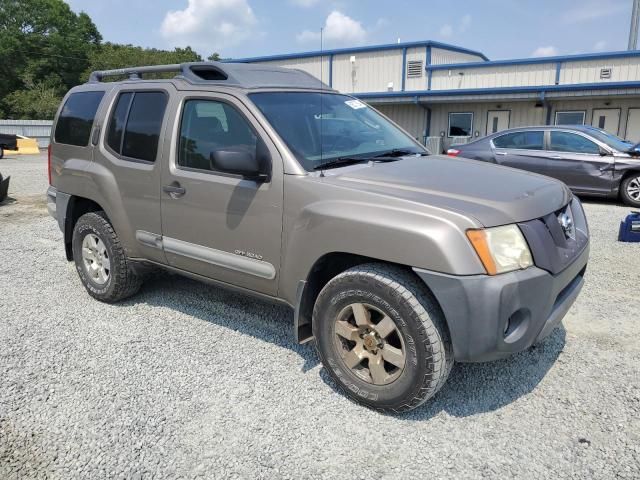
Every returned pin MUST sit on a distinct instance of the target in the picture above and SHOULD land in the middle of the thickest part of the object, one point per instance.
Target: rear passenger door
(578, 162)
(215, 223)
(523, 150)
(130, 151)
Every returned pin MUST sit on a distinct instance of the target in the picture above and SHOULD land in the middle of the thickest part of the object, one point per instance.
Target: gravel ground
(187, 381)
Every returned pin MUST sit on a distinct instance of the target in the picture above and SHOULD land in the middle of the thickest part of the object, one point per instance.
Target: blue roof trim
(488, 91)
(368, 48)
(538, 60)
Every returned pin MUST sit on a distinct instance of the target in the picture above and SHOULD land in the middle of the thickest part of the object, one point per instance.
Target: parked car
(263, 180)
(7, 142)
(589, 160)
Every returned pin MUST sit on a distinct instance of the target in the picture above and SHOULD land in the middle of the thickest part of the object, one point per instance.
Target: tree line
(46, 49)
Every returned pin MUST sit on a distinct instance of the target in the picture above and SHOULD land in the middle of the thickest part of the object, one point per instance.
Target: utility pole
(633, 31)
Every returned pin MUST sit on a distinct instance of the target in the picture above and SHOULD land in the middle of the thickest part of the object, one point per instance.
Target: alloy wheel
(370, 344)
(633, 189)
(95, 259)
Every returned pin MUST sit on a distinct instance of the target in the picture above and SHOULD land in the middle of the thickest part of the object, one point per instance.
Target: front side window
(136, 121)
(76, 118)
(208, 126)
(320, 127)
(570, 118)
(570, 142)
(521, 140)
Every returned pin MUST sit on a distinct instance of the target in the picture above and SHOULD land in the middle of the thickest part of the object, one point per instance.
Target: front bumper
(491, 317)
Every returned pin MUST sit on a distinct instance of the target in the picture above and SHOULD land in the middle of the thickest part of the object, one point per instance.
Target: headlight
(501, 249)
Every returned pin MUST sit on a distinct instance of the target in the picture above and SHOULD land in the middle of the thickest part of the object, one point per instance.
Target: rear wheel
(382, 337)
(100, 260)
(630, 190)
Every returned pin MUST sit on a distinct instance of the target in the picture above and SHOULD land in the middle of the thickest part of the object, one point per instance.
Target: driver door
(214, 223)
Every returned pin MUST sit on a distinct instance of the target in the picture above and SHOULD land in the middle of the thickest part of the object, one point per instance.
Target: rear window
(76, 118)
(520, 140)
(136, 121)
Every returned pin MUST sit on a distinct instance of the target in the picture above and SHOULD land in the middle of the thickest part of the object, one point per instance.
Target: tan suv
(264, 180)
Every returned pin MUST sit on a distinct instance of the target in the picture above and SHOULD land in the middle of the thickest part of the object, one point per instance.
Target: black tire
(631, 180)
(418, 319)
(1, 152)
(122, 281)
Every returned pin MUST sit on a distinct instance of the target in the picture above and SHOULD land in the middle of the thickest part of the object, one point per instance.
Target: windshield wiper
(399, 152)
(339, 161)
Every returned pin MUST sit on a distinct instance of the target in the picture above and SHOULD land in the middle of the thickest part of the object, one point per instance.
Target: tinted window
(570, 142)
(142, 130)
(569, 118)
(460, 124)
(76, 118)
(208, 126)
(520, 140)
(118, 118)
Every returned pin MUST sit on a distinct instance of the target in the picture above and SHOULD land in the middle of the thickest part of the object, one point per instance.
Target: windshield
(321, 127)
(610, 139)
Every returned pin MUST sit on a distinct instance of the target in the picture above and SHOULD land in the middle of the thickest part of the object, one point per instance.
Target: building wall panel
(417, 83)
(371, 71)
(494, 77)
(622, 70)
(310, 65)
(440, 56)
(410, 117)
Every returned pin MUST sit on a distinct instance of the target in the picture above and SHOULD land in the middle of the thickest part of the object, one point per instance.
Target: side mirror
(237, 162)
(604, 152)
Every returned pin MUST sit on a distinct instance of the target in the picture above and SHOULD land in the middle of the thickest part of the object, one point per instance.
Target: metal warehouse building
(443, 94)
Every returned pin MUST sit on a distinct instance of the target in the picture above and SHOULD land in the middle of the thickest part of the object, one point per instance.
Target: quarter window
(208, 126)
(134, 128)
(570, 118)
(570, 142)
(521, 140)
(76, 118)
(460, 124)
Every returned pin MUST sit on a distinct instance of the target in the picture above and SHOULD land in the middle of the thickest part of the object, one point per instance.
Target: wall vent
(414, 68)
(605, 73)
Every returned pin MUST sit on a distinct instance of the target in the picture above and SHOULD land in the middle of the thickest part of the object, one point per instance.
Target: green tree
(111, 55)
(44, 49)
(214, 57)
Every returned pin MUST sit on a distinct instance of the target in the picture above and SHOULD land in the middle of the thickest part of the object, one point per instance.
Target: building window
(460, 124)
(570, 118)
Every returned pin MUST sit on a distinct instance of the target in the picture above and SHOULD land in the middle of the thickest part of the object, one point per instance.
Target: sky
(244, 28)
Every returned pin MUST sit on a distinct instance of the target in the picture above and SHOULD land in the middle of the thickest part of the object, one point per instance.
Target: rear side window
(570, 142)
(520, 140)
(134, 128)
(76, 118)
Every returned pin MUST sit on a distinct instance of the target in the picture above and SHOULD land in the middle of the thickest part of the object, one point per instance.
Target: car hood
(492, 194)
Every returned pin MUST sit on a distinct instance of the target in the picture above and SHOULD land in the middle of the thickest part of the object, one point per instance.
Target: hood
(492, 194)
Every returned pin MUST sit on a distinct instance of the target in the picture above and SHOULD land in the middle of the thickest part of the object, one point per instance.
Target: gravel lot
(186, 381)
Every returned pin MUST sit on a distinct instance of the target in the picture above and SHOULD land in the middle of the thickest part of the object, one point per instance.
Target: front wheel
(630, 190)
(382, 337)
(101, 261)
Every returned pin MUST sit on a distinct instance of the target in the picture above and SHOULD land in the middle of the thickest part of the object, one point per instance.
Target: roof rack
(231, 74)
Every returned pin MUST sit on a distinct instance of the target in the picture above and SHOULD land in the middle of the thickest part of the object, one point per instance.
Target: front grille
(557, 239)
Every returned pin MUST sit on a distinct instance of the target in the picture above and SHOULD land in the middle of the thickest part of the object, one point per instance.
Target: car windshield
(610, 139)
(320, 128)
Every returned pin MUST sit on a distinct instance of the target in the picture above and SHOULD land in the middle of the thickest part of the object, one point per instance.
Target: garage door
(607, 119)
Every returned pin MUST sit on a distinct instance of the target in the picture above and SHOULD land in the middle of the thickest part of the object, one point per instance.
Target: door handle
(557, 157)
(175, 190)
(501, 153)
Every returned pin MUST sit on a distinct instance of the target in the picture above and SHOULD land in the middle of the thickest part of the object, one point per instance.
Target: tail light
(452, 152)
(49, 162)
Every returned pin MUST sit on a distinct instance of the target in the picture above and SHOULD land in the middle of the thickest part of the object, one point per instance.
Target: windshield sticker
(355, 104)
